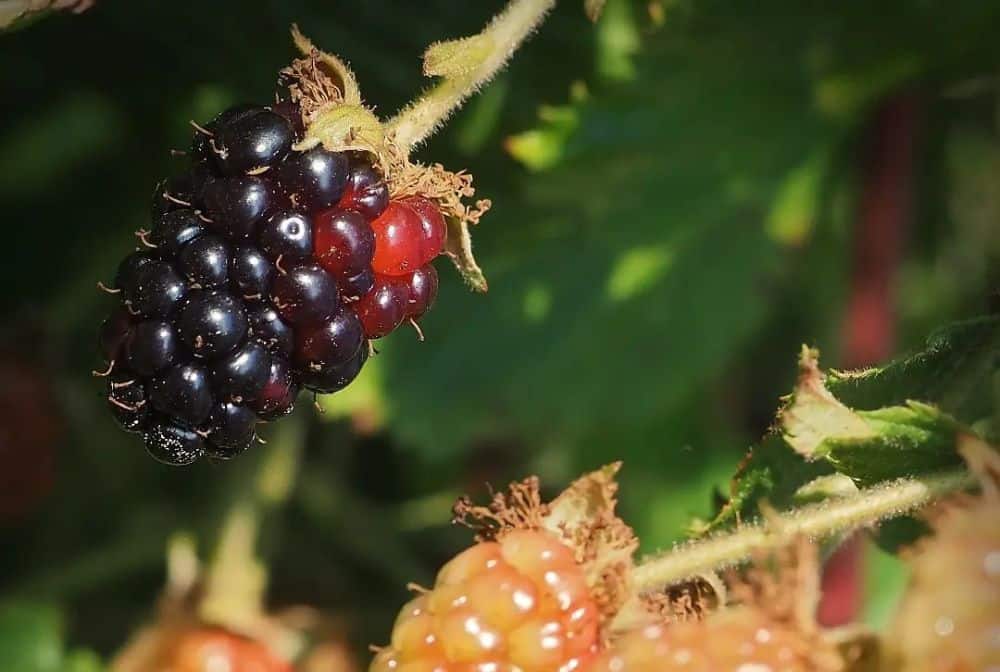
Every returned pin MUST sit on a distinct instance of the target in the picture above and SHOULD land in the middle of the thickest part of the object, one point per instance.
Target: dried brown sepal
(337, 81)
(520, 507)
(784, 588)
(450, 191)
(584, 517)
(593, 8)
(785, 584)
(332, 109)
(690, 600)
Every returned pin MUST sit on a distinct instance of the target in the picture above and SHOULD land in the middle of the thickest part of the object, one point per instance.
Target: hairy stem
(817, 521)
(236, 577)
(465, 65)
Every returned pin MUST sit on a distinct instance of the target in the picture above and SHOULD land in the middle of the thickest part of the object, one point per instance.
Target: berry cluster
(205, 650)
(949, 618)
(266, 269)
(729, 641)
(521, 603)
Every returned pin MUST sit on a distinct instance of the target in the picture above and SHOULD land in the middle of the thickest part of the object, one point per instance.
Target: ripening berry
(949, 619)
(739, 639)
(383, 308)
(423, 285)
(211, 650)
(432, 227)
(399, 247)
(277, 397)
(344, 242)
(365, 191)
(521, 603)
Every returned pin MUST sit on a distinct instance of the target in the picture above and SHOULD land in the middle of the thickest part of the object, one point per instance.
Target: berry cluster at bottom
(266, 270)
(521, 603)
(736, 641)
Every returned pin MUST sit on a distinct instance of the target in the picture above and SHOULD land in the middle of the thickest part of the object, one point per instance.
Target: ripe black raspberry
(261, 274)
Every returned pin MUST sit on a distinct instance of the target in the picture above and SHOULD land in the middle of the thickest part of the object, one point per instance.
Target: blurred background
(683, 195)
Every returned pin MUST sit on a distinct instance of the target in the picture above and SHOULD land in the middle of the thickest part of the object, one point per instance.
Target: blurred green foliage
(670, 233)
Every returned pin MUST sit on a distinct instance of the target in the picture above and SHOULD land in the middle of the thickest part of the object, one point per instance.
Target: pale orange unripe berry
(520, 604)
(949, 619)
(742, 639)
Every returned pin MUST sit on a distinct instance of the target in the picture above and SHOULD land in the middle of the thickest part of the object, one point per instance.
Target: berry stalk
(818, 521)
(466, 65)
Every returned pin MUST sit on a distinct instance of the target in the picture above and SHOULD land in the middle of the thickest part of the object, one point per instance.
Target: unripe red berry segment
(261, 274)
(518, 604)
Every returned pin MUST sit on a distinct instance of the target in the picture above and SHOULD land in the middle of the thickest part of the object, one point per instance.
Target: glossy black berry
(236, 205)
(184, 393)
(175, 229)
(292, 113)
(252, 141)
(205, 142)
(211, 322)
(329, 344)
(172, 194)
(277, 398)
(268, 329)
(334, 379)
(151, 347)
(231, 430)
(250, 273)
(315, 179)
(127, 401)
(304, 294)
(344, 242)
(173, 445)
(356, 286)
(205, 261)
(200, 176)
(366, 191)
(128, 270)
(241, 374)
(114, 331)
(287, 235)
(155, 290)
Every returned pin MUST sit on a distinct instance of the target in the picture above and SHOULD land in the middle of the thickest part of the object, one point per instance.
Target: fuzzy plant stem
(236, 577)
(817, 521)
(465, 65)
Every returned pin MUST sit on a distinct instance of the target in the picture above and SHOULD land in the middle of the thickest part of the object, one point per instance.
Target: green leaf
(954, 371)
(820, 430)
(30, 637)
(31, 640)
(907, 441)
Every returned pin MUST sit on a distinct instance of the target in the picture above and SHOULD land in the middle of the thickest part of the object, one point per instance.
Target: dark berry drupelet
(265, 270)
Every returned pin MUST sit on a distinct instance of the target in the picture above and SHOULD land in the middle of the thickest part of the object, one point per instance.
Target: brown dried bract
(309, 85)
(518, 508)
(435, 182)
(583, 517)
